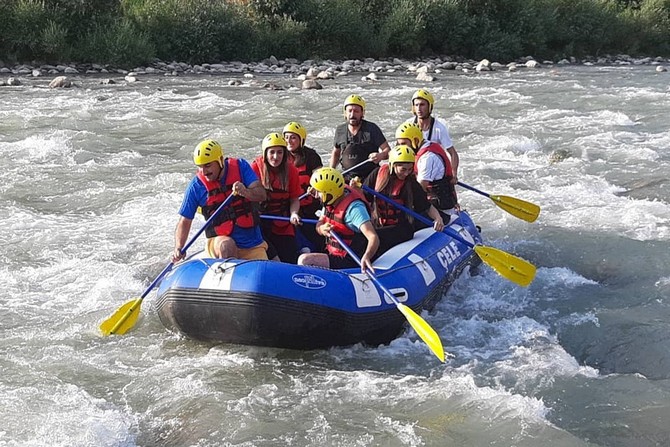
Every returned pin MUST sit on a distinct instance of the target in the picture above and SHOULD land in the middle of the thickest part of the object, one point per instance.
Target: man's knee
(316, 259)
(225, 247)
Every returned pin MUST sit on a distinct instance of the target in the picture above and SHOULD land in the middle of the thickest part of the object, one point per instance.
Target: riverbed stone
(425, 77)
(60, 82)
(559, 155)
(483, 65)
(311, 84)
(324, 75)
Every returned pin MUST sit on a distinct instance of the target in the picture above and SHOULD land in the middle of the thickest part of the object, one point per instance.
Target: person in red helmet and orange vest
(433, 129)
(346, 213)
(282, 185)
(397, 181)
(433, 169)
(358, 140)
(307, 161)
(235, 232)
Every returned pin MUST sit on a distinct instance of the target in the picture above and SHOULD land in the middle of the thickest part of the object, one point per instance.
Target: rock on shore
(425, 70)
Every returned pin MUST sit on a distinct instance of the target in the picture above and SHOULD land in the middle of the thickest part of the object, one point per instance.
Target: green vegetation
(133, 32)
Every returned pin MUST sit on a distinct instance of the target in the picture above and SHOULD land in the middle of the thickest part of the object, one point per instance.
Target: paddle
(346, 171)
(125, 317)
(427, 333)
(520, 208)
(506, 265)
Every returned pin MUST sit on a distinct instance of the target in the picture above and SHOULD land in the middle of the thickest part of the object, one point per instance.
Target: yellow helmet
(401, 154)
(328, 181)
(273, 139)
(206, 152)
(412, 132)
(423, 94)
(298, 129)
(354, 100)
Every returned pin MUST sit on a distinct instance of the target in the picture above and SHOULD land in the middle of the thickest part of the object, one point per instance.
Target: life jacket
(386, 213)
(356, 152)
(278, 201)
(335, 216)
(441, 192)
(304, 175)
(240, 211)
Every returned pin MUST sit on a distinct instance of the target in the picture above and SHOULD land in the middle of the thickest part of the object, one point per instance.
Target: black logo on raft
(309, 281)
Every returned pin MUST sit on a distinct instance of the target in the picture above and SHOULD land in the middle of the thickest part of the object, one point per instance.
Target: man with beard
(358, 140)
(433, 129)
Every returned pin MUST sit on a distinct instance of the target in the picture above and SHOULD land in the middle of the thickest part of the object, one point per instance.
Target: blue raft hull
(281, 305)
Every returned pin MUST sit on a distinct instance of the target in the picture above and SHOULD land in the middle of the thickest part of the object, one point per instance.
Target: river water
(90, 184)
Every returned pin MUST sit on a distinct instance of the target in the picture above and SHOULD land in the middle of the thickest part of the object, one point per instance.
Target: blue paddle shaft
(451, 232)
(355, 257)
(472, 188)
(188, 244)
(288, 219)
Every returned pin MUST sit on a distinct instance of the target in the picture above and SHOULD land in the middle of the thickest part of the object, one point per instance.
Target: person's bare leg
(224, 247)
(317, 259)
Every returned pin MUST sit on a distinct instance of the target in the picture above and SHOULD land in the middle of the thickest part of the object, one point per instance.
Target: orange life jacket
(240, 211)
(304, 175)
(335, 216)
(278, 201)
(386, 213)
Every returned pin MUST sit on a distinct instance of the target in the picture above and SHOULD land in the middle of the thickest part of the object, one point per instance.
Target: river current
(90, 184)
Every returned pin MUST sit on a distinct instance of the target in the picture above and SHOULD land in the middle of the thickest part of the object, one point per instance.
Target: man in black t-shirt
(358, 140)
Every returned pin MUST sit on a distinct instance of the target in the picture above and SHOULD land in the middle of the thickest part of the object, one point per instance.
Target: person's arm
(250, 187)
(454, 164)
(370, 234)
(180, 236)
(438, 223)
(294, 209)
(377, 137)
(335, 157)
(254, 192)
(383, 153)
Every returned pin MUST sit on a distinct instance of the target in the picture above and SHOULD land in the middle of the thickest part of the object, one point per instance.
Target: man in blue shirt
(234, 232)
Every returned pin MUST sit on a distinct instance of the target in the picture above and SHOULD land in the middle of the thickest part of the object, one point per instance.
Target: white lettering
(448, 254)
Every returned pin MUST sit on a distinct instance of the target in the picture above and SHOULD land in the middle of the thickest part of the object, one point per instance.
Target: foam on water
(98, 225)
(62, 414)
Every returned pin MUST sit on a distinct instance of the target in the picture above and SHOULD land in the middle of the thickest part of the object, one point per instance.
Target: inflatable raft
(282, 305)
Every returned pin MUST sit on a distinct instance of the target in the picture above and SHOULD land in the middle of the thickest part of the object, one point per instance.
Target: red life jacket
(335, 216)
(386, 213)
(278, 201)
(441, 192)
(304, 175)
(240, 211)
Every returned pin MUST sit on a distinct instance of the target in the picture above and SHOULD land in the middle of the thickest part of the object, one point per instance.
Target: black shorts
(344, 262)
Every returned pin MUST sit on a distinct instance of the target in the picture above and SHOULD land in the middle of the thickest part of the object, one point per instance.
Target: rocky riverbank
(310, 72)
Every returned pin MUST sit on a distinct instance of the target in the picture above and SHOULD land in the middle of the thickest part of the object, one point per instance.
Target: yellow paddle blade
(123, 319)
(427, 333)
(517, 207)
(506, 265)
